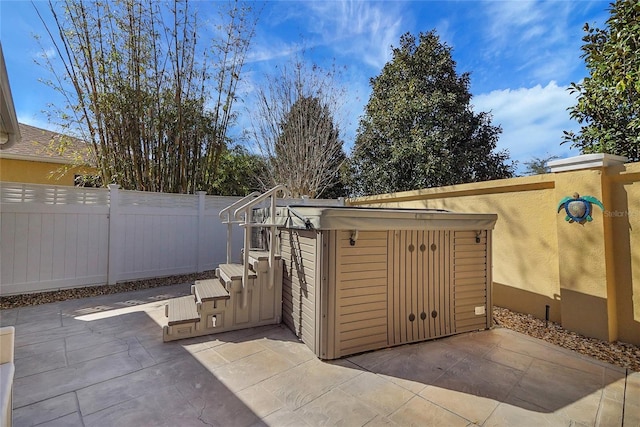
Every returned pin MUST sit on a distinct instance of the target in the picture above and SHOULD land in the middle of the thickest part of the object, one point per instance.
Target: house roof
(47, 146)
(9, 131)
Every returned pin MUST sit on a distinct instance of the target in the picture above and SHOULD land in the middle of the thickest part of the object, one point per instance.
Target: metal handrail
(246, 209)
(226, 211)
(260, 198)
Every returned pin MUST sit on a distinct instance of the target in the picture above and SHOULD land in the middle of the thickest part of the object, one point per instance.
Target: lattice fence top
(11, 192)
(157, 200)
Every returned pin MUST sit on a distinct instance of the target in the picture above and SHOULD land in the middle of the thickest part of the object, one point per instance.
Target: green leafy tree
(239, 172)
(295, 129)
(419, 129)
(608, 107)
(141, 87)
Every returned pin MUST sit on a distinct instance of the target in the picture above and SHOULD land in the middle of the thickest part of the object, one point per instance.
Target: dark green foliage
(238, 173)
(608, 106)
(419, 129)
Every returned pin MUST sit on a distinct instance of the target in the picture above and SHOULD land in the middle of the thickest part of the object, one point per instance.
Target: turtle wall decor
(578, 209)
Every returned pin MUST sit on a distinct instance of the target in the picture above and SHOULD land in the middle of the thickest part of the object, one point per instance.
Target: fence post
(200, 239)
(114, 243)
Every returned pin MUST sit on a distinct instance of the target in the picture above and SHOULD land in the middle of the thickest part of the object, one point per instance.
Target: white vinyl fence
(55, 237)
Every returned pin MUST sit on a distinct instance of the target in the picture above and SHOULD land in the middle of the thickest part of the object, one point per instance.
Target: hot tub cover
(359, 218)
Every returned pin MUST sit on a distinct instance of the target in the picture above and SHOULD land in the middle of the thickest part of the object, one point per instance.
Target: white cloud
(366, 30)
(538, 38)
(49, 53)
(532, 119)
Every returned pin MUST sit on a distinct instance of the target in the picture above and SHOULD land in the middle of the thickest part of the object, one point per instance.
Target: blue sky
(522, 56)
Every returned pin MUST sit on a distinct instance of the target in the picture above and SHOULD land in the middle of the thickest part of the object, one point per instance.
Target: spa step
(260, 255)
(182, 310)
(230, 272)
(209, 290)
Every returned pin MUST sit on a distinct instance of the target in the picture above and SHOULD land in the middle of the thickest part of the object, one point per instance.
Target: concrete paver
(101, 362)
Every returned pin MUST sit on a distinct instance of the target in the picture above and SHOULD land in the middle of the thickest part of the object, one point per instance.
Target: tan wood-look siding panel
(471, 254)
(361, 325)
(361, 291)
(477, 293)
(470, 302)
(363, 344)
(474, 273)
(466, 268)
(380, 291)
(471, 324)
(298, 249)
(360, 299)
(480, 261)
(371, 331)
(356, 250)
(369, 238)
(377, 263)
(363, 308)
(478, 281)
(362, 275)
(471, 280)
(421, 279)
(439, 261)
(364, 315)
(364, 283)
(365, 259)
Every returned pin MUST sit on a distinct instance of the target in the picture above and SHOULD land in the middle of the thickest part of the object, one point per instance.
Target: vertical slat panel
(20, 256)
(416, 283)
(7, 249)
(422, 269)
(404, 278)
(70, 245)
(33, 237)
(59, 230)
(46, 248)
(448, 259)
(398, 283)
(84, 235)
(442, 316)
(93, 243)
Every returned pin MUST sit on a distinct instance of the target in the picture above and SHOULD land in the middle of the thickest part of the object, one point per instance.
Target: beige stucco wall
(623, 214)
(35, 172)
(588, 274)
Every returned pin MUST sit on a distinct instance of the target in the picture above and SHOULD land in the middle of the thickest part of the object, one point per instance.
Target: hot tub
(358, 279)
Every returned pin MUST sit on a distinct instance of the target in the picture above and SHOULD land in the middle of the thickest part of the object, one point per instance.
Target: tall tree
(419, 129)
(139, 86)
(296, 131)
(608, 105)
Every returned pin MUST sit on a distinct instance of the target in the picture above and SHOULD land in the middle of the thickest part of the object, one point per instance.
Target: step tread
(211, 290)
(183, 310)
(234, 271)
(261, 255)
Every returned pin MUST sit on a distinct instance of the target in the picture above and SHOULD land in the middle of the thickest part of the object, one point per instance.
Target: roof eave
(8, 119)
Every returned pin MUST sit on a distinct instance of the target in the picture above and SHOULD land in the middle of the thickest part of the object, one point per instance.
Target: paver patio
(101, 362)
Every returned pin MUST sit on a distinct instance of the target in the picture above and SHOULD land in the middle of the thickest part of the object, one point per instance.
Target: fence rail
(55, 237)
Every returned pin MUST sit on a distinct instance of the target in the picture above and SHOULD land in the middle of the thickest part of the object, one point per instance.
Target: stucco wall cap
(586, 161)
